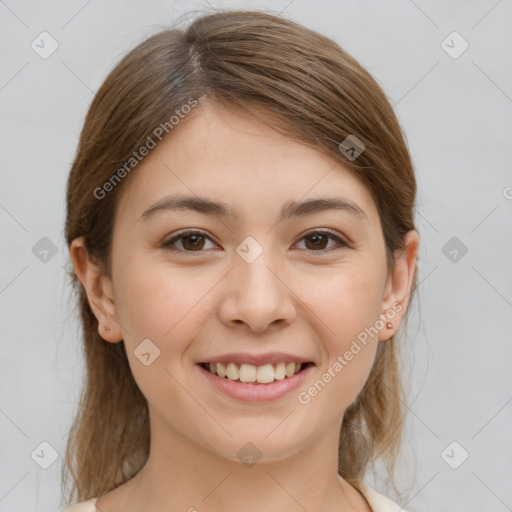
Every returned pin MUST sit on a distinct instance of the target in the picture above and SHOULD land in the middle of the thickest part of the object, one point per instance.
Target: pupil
(195, 240)
(317, 239)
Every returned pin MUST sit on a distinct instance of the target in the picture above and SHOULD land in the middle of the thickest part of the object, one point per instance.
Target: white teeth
(280, 371)
(221, 369)
(249, 373)
(265, 373)
(290, 369)
(232, 371)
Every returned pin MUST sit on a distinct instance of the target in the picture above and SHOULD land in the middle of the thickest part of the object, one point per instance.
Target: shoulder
(83, 506)
(378, 502)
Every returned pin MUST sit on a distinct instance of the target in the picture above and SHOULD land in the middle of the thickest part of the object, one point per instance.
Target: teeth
(249, 373)
(221, 369)
(265, 374)
(232, 372)
(280, 371)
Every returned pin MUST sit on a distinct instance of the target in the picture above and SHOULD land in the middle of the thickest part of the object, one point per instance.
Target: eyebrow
(290, 208)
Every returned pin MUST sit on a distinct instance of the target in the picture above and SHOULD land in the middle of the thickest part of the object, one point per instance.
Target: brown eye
(318, 241)
(190, 241)
(193, 242)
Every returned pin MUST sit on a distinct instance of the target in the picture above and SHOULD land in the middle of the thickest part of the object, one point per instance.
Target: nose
(257, 294)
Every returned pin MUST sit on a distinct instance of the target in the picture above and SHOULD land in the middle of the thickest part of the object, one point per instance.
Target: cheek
(163, 305)
(155, 299)
(168, 306)
(346, 306)
(345, 301)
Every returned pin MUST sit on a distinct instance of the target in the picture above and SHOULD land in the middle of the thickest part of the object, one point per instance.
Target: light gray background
(456, 114)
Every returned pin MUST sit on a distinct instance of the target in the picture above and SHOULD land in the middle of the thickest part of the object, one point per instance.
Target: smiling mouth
(251, 374)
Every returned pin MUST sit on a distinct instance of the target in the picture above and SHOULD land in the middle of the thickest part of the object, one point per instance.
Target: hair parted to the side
(304, 86)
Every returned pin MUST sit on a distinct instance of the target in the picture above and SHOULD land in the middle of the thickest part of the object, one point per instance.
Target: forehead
(225, 154)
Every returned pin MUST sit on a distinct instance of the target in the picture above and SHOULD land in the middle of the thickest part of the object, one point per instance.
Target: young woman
(240, 226)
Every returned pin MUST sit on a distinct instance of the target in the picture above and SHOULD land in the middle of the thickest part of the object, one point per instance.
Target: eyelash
(330, 234)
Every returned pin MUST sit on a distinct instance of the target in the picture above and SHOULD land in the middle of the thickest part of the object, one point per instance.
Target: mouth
(256, 375)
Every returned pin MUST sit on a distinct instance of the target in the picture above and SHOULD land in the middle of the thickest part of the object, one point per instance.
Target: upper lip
(256, 359)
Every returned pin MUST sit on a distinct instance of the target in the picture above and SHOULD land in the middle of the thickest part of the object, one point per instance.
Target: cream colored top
(378, 502)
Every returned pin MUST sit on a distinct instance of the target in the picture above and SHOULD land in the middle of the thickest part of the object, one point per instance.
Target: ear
(99, 291)
(398, 286)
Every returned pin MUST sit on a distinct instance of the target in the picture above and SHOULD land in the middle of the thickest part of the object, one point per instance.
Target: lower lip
(256, 392)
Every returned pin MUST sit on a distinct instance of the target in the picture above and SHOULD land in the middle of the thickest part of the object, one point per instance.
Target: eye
(190, 241)
(195, 241)
(318, 240)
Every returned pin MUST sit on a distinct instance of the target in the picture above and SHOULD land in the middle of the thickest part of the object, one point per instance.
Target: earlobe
(98, 288)
(399, 286)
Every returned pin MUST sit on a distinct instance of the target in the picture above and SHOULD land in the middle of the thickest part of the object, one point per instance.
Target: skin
(293, 298)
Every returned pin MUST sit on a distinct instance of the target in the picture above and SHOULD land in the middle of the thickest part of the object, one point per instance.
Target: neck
(181, 475)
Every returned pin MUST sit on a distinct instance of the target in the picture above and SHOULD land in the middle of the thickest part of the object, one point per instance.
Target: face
(269, 278)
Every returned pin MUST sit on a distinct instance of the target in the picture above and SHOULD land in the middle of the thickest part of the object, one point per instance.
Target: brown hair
(304, 86)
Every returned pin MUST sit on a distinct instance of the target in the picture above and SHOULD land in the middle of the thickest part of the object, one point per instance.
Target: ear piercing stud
(389, 325)
(107, 328)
